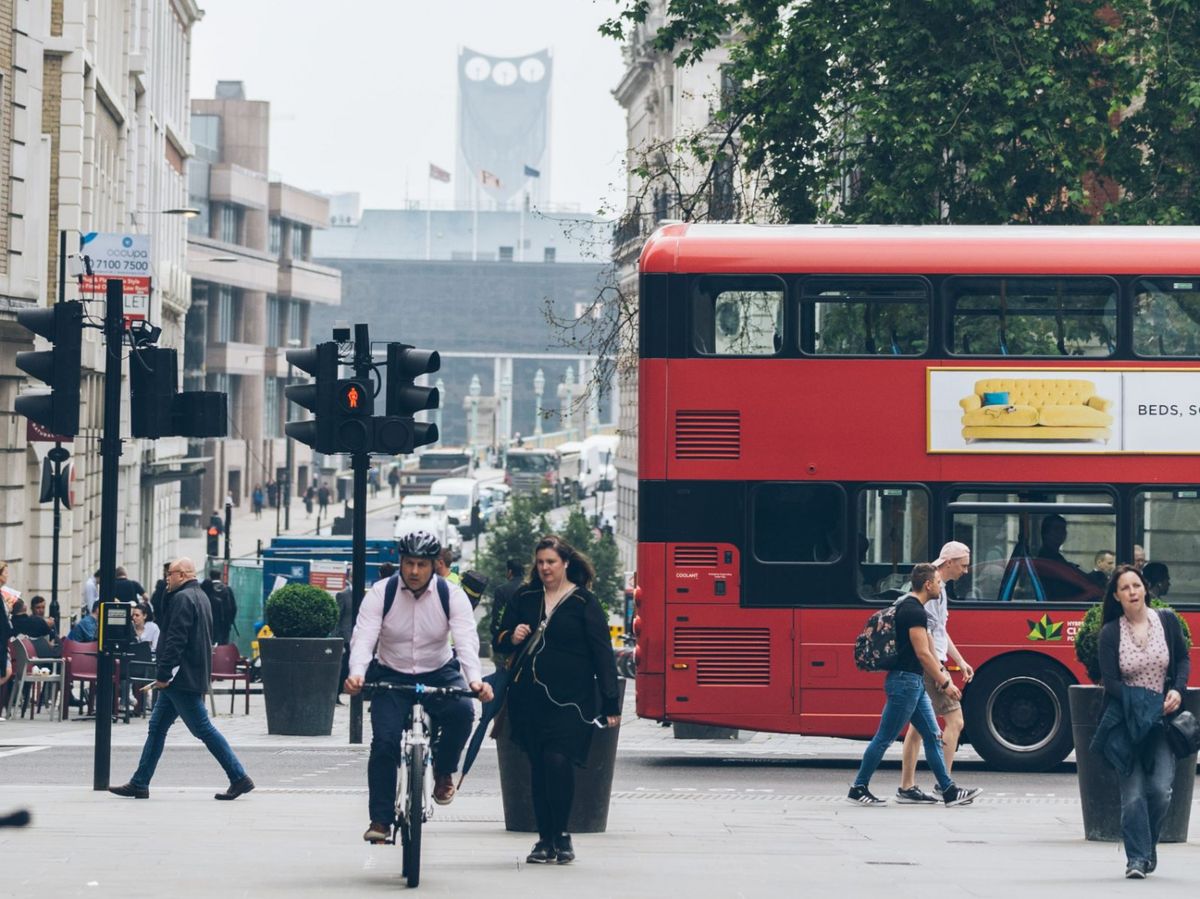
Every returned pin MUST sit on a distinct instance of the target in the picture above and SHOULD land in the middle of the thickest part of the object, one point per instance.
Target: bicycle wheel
(414, 811)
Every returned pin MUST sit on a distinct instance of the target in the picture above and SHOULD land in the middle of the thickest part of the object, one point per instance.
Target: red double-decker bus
(821, 407)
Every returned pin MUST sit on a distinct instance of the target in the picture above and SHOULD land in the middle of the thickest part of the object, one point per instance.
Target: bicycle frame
(418, 733)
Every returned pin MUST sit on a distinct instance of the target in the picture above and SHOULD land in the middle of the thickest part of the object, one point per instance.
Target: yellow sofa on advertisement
(1035, 409)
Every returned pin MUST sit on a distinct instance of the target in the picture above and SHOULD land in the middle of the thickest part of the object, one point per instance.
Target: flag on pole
(488, 179)
(439, 174)
(531, 172)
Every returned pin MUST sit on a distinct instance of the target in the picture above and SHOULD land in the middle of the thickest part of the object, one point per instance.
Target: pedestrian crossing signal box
(115, 632)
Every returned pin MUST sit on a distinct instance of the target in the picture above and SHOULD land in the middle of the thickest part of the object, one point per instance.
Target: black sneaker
(914, 795)
(543, 853)
(1136, 870)
(1153, 863)
(564, 850)
(959, 795)
(860, 795)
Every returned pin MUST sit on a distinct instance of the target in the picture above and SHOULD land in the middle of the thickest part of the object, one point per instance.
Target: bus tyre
(1017, 714)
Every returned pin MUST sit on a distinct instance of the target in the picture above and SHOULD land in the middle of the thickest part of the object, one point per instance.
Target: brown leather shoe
(443, 789)
(377, 833)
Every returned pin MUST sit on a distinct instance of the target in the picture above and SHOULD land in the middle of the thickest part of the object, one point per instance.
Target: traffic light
(318, 396)
(353, 406)
(56, 409)
(157, 409)
(398, 432)
(214, 541)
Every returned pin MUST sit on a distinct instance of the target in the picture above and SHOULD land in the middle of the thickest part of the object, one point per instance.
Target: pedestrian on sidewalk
(952, 563)
(564, 684)
(256, 500)
(394, 480)
(323, 496)
(183, 671)
(309, 496)
(272, 494)
(1144, 669)
(907, 700)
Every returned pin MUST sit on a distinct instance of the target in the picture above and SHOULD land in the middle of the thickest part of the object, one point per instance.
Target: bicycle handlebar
(420, 689)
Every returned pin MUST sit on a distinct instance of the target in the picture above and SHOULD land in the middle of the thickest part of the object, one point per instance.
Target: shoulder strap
(393, 584)
(443, 590)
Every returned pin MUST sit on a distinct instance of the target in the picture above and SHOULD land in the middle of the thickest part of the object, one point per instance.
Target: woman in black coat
(564, 677)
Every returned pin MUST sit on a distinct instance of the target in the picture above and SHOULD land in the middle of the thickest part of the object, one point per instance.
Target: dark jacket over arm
(186, 641)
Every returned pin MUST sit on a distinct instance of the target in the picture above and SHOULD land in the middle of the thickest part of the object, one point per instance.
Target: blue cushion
(995, 399)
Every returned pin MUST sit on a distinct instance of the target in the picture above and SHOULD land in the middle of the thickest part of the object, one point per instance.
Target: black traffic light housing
(156, 407)
(56, 409)
(398, 431)
(318, 396)
(354, 404)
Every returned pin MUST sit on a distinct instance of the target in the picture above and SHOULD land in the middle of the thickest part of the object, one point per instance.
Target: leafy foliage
(301, 610)
(602, 550)
(951, 111)
(512, 537)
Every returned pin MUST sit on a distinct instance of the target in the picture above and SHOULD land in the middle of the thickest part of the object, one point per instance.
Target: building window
(229, 223)
(506, 254)
(295, 331)
(300, 241)
(272, 404)
(223, 315)
(548, 254)
(276, 237)
(274, 319)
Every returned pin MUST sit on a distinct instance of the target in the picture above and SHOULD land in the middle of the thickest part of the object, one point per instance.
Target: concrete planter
(1099, 789)
(593, 784)
(300, 683)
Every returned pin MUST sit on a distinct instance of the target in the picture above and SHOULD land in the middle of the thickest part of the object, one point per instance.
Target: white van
(599, 462)
(461, 496)
(427, 513)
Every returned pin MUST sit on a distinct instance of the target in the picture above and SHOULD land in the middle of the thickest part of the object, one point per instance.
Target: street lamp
(566, 400)
(539, 384)
(473, 392)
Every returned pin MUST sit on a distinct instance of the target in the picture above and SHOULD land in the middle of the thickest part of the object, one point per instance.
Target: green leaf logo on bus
(1045, 629)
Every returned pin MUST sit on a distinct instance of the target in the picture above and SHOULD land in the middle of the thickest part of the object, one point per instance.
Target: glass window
(299, 240)
(229, 223)
(893, 536)
(799, 523)
(506, 254)
(223, 312)
(1166, 317)
(271, 408)
(273, 316)
(276, 235)
(1033, 545)
(1032, 316)
(295, 323)
(548, 254)
(738, 316)
(865, 317)
(1165, 524)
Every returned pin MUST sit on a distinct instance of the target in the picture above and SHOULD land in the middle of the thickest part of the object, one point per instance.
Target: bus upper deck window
(738, 316)
(1032, 316)
(859, 316)
(1166, 317)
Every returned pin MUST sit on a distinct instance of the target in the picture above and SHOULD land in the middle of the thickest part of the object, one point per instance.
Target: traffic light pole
(110, 454)
(358, 543)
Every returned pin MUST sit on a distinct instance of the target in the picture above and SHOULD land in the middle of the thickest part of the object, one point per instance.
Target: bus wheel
(1017, 714)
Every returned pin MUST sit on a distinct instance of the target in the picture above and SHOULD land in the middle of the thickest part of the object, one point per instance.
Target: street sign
(124, 256)
(35, 433)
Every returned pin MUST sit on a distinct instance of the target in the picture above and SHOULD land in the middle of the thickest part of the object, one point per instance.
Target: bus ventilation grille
(727, 657)
(695, 557)
(708, 434)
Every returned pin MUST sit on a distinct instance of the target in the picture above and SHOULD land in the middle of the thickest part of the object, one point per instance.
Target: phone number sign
(124, 256)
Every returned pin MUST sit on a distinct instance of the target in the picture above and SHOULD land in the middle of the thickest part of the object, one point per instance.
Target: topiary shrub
(1087, 638)
(301, 610)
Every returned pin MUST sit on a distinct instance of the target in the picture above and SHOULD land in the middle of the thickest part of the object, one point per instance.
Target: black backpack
(876, 647)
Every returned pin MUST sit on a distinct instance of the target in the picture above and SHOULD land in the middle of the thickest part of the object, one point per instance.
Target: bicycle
(414, 786)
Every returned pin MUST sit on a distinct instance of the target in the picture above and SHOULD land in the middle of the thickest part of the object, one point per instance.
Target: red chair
(228, 665)
(81, 665)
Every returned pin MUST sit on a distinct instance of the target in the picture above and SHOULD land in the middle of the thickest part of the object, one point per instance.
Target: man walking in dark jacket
(184, 667)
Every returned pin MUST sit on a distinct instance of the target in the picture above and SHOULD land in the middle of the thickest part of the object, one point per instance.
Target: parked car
(493, 502)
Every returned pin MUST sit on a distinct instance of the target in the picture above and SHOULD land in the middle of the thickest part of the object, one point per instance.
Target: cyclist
(408, 644)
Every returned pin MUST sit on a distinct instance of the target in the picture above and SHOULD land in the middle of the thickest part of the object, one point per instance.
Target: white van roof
(446, 486)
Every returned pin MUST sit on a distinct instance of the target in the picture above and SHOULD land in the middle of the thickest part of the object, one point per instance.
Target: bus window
(865, 317)
(798, 523)
(1032, 316)
(1165, 524)
(1166, 317)
(738, 316)
(893, 536)
(1033, 545)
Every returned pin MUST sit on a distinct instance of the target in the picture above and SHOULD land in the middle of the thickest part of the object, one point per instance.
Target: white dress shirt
(413, 639)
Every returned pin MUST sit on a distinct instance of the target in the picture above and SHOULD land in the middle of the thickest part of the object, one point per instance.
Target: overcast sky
(362, 92)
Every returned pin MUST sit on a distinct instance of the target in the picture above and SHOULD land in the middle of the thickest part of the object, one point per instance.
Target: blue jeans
(389, 718)
(172, 704)
(1145, 797)
(906, 701)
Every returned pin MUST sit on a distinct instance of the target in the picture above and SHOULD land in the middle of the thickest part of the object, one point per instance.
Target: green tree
(602, 550)
(512, 537)
(953, 111)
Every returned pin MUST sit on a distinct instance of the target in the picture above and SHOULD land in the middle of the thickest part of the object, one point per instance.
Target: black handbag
(1183, 734)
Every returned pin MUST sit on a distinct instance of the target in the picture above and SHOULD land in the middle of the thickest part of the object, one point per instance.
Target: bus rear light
(637, 625)
(637, 657)
(637, 597)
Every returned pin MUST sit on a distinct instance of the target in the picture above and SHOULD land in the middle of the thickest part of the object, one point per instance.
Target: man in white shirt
(410, 644)
(952, 563)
